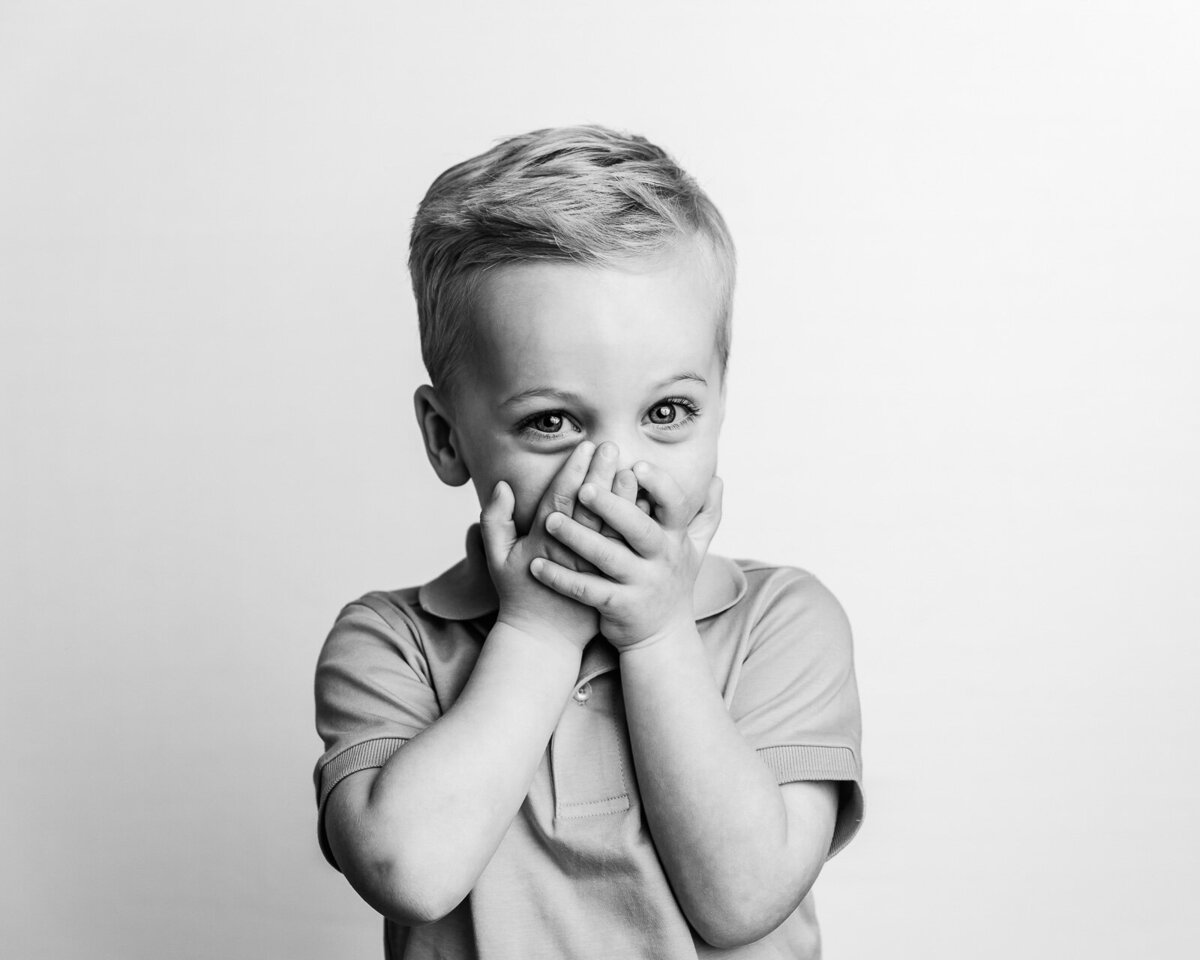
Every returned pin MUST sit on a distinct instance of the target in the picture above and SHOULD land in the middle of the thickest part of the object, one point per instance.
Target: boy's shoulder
(772, 583)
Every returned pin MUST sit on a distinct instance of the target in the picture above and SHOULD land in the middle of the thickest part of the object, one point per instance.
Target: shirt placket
(589, 751)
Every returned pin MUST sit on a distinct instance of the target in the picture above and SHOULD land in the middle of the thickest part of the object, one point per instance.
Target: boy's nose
(625, 456)
(625, 452)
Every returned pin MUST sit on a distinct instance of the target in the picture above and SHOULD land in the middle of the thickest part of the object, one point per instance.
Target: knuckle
(561, 502)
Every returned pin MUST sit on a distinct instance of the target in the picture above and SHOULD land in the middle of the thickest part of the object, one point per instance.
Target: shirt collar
(465, 591)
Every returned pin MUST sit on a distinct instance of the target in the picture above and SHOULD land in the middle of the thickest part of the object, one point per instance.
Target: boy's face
(566, 352)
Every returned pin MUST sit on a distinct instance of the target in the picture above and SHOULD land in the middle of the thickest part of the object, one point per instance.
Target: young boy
(590, 737)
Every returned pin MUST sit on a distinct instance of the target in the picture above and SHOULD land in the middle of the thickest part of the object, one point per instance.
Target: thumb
(496, 525)
(704, 525)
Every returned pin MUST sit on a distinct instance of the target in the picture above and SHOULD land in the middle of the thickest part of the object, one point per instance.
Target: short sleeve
(373, 693)
(796, 699)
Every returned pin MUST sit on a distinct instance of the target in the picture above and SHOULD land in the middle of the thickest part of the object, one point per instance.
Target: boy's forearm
(437, 811)
(717, 816)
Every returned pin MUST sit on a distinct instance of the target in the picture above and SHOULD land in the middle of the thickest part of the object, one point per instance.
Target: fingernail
(587, 491)
(607, 450)
(554, 521)
(535, 566)
(639, 468)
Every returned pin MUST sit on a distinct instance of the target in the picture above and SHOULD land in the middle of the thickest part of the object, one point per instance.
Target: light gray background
(964, 392)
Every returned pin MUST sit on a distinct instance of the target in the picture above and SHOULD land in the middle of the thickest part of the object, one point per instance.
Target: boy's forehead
(550, 307)
(648, 312)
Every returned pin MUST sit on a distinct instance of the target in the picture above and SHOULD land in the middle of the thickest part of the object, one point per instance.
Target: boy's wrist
(536, 635)
(679, 631)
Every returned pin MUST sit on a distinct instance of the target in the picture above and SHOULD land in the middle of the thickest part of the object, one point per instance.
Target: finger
(601, 472)
(587, 588)
(496, 525)
(609, 556)
(670, 502)
(624, 486)
(637, 528)
(702, 529)
(560, 495)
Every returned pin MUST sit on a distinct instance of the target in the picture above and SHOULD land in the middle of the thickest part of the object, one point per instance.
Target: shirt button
(582, 692)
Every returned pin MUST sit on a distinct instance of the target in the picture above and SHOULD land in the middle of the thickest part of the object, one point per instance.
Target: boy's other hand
(525, 604)
(644, 582)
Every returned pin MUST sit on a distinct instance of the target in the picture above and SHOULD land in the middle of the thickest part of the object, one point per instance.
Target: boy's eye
(663, 413)
(672, 413)
(547, 422)
(547, 425)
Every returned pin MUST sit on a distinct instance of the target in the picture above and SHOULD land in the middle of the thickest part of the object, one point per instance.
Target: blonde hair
(583, 194)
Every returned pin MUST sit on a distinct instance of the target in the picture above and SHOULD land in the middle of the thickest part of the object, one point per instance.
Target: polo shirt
(577, 875)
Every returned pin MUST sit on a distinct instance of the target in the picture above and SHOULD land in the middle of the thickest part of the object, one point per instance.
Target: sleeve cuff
(361, 756)
(794, 763)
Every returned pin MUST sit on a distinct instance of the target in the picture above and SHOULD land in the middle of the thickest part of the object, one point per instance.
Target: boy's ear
(441, 440)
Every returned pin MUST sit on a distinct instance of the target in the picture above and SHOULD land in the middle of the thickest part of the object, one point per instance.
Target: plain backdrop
(963, 392)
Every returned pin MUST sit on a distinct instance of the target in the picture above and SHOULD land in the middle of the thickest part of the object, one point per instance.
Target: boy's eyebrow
(686, 375)
(542, 393)
(567, 396)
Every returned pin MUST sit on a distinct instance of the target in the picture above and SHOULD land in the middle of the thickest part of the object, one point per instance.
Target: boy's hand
(645, 581)
(524, 603)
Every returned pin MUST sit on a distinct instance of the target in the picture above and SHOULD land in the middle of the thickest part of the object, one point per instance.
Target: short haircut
(583, 194)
